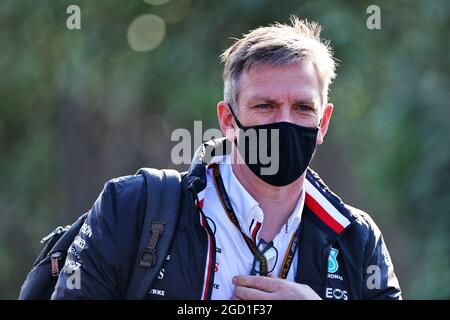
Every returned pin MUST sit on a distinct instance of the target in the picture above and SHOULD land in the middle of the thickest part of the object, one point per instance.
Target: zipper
(58, 230)
(211, 270)
(209, 235)
(327, 250)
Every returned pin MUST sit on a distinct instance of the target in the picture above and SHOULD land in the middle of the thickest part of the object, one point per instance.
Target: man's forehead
(274, 82)
(300, 68)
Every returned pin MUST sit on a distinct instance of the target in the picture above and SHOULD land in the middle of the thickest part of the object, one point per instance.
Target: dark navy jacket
(337, 262)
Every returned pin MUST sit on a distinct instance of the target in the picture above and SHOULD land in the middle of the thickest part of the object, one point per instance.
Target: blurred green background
(79, 107)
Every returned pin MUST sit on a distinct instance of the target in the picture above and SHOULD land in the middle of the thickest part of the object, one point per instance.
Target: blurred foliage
(78, 107)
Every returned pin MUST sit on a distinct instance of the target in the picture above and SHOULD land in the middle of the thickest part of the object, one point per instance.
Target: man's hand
(271, 288)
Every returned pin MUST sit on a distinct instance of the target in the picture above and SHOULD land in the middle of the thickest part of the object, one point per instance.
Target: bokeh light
(146, 32)
(156, 2)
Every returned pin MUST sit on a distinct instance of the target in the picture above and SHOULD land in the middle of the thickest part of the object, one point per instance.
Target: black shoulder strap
(161, 216)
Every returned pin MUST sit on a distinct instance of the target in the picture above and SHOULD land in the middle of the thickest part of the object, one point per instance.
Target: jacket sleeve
(103, 252)
(379, 280)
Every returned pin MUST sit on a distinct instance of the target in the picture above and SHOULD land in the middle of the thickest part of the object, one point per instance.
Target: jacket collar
(196, 176)
(325, 205)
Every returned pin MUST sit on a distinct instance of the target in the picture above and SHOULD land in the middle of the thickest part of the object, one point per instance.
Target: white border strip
(329, 208)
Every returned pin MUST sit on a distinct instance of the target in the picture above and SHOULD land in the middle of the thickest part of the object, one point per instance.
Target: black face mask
(260, 146)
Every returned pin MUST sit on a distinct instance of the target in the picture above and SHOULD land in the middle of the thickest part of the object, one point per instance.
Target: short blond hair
(278, 44)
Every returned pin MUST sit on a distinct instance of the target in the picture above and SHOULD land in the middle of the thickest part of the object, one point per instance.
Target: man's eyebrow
(309, 102)
(305, 101)
(263, 99)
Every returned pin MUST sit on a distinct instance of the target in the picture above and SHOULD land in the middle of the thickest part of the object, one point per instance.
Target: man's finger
(258, 282)
(245, 293)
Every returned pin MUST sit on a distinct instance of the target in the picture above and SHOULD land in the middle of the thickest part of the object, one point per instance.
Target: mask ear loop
(239, 124)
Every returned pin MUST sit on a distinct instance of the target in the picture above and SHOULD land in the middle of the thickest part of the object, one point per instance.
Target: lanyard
(226, 203)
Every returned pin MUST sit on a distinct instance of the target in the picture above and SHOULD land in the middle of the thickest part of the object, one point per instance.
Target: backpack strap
(161, 216)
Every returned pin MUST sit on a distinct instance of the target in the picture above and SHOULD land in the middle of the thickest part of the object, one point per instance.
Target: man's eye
(304, 108)
(264, 106)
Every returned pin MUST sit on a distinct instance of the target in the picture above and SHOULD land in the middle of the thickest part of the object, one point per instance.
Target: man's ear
(326, 117)
(226, 120)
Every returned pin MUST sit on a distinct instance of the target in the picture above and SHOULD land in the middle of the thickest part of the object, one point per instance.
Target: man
(246, 231)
